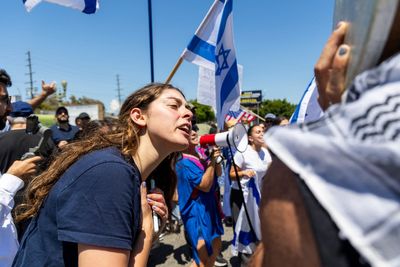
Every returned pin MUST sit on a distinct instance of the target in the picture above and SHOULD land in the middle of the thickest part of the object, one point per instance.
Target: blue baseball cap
(21, 109)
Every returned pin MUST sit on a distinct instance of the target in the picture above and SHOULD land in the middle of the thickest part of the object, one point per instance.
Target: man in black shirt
(15, 143)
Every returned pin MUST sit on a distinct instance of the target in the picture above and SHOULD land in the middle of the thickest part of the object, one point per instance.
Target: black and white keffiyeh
(350, 160)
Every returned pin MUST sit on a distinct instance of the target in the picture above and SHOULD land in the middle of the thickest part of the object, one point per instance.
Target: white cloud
(114, 106)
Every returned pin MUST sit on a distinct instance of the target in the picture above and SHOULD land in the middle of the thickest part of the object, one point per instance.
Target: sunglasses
(5, 98)
(62, 112)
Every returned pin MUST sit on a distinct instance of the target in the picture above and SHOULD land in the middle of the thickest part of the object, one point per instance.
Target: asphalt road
(172, 250)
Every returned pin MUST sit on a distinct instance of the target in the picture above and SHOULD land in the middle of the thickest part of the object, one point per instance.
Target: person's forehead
(171, 94)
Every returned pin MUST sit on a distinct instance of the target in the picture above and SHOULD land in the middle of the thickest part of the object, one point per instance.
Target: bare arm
(141, 250)
(287, 238)
(241, 173)
(208, 176)
(89, 256)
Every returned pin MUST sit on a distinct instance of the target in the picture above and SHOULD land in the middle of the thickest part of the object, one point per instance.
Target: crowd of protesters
(89, 204)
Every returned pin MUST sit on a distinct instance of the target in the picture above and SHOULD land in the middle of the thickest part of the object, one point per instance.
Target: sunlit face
(284, 122)
(262, 127)
(169, 121)
(257, 136)
(62, 116)
(194, 138)
(5, 104)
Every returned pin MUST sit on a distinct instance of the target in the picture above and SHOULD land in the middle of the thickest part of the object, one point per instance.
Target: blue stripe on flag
(90, 6)
(246, 238)
(225, 15)
(256, 195)
(202, 48)
(231, 79)
(295, 115)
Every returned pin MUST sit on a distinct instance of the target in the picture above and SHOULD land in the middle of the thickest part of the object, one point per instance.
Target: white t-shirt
(251, 159)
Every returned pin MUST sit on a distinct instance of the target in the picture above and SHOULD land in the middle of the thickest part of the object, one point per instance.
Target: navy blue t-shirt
(59, 134)
(95, 202)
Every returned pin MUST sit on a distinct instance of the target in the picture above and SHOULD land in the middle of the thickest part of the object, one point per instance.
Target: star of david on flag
(212, 47)
(86, 6)
(221, 64)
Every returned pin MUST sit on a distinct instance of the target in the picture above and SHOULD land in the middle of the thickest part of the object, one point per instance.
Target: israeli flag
(86, 6)
(308, 108)
(244, 239)
(201, 49)
(212, 47)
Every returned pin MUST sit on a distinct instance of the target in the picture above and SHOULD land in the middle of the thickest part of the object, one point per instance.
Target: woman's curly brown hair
(125, 138)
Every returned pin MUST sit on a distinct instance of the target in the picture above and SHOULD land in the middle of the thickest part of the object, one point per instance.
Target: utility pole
(30, 89)
(119, 91)
(151, 40)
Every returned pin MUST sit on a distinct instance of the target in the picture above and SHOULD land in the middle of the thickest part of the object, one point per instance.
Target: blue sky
(277, 42)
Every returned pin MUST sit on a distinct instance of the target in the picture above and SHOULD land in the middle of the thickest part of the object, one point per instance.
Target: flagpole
(151, 40)
(247, 110)
(176, 67)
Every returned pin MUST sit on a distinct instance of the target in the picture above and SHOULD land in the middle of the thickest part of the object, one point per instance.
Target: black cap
(60, 109)
(83, 115)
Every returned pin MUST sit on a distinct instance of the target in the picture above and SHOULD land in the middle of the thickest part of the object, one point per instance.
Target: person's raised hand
(330, 69)
(48, 88)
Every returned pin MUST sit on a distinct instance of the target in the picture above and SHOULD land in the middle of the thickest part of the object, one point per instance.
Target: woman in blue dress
(198, 202)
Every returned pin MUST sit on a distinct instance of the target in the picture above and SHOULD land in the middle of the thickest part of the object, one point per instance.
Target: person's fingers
(161, 210)
(155, 198)
(30, 169)
(34, 159)
(156, 190)
(338, 73)
(325, 61)
(328, 53)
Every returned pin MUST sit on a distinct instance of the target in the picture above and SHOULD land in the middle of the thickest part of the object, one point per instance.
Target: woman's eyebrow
(178, 100)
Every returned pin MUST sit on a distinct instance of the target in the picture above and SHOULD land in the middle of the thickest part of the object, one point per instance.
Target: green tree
(51, 103)
(204, 113)
(279, 107)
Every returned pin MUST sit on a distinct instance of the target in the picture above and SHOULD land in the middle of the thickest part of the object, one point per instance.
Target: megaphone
(236, 137)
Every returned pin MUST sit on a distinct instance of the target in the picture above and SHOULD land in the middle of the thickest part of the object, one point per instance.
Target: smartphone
(32, 124)
(156, 221)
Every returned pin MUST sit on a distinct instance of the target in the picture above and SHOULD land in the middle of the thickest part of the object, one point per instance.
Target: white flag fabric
(308, 108)
(206, 88)
(201, 49)
(213, 44)
(244, 239)
(86, 6)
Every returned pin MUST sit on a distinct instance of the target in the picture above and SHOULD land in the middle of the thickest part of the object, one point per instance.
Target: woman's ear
(138, 117)
(250, 139)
